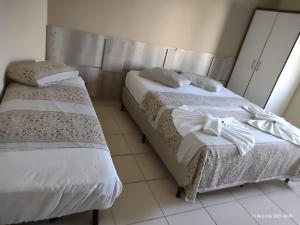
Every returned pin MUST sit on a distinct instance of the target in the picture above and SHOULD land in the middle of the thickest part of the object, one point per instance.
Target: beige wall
(22, 32)
(289, 5)
(292, 113)
(215, 26)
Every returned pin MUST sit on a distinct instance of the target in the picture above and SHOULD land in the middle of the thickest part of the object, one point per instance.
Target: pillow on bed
(166, 77)
(203, 82)
(41, 74)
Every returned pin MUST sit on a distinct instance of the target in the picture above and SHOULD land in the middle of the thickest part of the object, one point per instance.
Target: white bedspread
(39, 183)
(190, 119)
(217, 163)
(139, 87)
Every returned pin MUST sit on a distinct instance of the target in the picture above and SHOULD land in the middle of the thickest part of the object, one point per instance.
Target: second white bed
(139, 87)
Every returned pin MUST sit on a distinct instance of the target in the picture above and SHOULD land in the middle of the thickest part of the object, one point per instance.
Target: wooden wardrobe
(261, 72)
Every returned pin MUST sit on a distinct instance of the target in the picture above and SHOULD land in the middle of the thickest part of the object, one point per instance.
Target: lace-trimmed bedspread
(56, 116)
(217, 165)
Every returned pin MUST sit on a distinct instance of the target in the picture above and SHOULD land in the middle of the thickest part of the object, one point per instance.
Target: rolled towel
(186, 120)
(273, 124)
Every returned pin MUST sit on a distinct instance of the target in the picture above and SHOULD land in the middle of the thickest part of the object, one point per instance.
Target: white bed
(139, 87)
(38, 181)
(210, 162)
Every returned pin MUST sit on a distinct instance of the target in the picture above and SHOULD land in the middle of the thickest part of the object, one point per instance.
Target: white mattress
(139, 87)
(50, 182)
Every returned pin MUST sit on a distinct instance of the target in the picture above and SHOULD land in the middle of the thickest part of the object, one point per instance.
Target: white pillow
(41, 74)
(203, 82)
(166, 77)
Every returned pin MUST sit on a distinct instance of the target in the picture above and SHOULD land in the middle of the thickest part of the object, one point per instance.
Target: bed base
(127, 102)
(179, 192)
(122, 107)
(95, 216)
(53, 220)
(144, 138)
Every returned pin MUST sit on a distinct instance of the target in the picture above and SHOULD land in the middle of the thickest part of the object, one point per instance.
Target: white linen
(273, 124)
(50, 182)
(56, 78)
(164, 76)
(204, 82)
(190, 119)
(41, 74)
(139, 87)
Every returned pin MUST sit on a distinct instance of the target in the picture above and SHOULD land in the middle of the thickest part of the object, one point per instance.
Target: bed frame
(167, 155)
(95, 218)
(177, 170)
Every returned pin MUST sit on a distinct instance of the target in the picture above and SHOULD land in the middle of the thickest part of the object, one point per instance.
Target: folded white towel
(188, 119)
(273, 124)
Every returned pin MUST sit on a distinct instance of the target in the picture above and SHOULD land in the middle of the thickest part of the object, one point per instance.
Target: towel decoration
(273, 124)
(187, 119)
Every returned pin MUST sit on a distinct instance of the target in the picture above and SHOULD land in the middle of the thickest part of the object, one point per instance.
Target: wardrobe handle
(253, 64)
(258, 66)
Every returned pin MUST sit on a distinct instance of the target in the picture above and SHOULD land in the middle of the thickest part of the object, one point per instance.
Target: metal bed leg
(287, 180)
(53, 220)
(122, 107)
(95, 217)
(179, 192)
(143, 139)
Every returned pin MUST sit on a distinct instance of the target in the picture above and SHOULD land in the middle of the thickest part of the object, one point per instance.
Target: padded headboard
(104, 60)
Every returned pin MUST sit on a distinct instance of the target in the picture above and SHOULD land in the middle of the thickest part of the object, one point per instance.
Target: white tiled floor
(149, 191)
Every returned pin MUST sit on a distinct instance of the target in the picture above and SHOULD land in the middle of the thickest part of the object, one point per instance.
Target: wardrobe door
(273, 58)
(287, 83)
(257, 35)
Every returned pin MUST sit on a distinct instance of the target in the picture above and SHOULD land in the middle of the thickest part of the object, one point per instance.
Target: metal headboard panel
(101, 83)
(221, 68)
(188, 61)
(73, 47)
(123, 55)
(103, 61)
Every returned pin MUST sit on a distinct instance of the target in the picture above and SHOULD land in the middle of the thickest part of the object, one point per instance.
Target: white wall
(22, 32)
(215, 26)
(292, 113)
(290, 77)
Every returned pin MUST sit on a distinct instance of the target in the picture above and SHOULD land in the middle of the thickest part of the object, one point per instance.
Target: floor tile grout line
(277, 204)
(149, 180)
(130, 120)
(157, 202)
(146, 181)
(166, 218)
(137, 164)
(210, 215)
(145, 220)
(113, 216)
(264, 194)
(141, 221)
(206, 207)
(201, 206)
(292, 190)
(247, 211)
(132, 150)
(163, 216)
(217, 204)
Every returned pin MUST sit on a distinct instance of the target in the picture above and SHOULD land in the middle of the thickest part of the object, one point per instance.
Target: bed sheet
(40, 180)
(139, 87)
